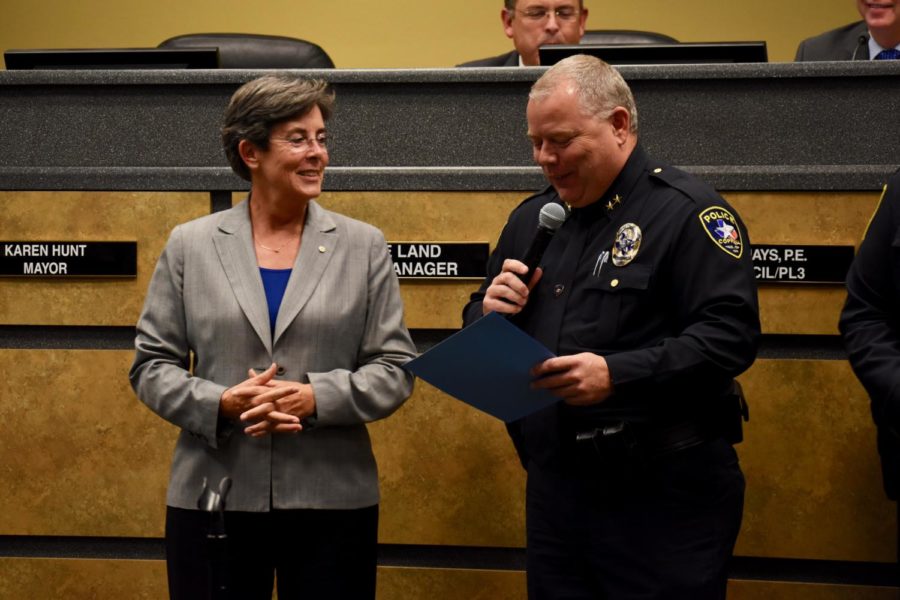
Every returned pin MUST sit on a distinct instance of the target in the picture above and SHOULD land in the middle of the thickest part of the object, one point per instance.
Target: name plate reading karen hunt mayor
(68, 259)
(439, 260)
(801, 264)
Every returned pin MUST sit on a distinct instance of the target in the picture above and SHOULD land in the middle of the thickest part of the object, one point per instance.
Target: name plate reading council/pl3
(439, 260)
(68, 259)
(801, 264)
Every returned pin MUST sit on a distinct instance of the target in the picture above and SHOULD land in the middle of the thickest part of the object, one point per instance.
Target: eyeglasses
(539, 13)
(301, 143)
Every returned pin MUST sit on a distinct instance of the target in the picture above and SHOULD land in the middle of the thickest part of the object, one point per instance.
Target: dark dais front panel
(762, 127)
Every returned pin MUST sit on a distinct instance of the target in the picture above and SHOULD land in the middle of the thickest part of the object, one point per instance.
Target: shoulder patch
(723, 229)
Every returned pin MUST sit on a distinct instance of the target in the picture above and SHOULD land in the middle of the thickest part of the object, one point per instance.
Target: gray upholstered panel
(810, 126)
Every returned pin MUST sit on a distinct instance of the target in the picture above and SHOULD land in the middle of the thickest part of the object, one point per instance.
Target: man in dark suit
(876, 37)
(870, 326)
(531, 24)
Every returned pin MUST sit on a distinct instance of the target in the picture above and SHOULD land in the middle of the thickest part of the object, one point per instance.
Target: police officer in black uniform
(870, 326)
(646, 294)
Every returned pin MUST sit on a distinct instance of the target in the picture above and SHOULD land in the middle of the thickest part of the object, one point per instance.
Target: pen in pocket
(601, 260)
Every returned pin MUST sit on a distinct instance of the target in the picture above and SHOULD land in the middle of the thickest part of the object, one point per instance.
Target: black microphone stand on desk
(213, 503)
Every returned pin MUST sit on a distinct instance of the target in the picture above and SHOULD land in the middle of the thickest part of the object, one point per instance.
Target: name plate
(439, 260)
(68, 259)
(801, 264)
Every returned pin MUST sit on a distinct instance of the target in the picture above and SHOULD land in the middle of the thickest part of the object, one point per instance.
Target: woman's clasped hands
(269, 405)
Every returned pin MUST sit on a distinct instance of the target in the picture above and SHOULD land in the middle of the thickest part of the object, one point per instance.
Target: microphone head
(552, 216)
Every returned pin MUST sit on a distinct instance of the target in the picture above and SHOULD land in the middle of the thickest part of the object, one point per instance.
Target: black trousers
(314, 553)
(663, 529)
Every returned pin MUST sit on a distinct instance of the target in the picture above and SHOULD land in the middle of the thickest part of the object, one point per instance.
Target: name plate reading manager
(68, 259)
(801, 264)
(439, 260)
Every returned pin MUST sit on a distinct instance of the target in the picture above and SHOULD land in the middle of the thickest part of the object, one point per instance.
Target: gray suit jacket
(340, 327)
(510, 59)
(842, 43)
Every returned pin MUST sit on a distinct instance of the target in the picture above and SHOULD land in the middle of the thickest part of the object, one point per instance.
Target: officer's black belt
(643, 439)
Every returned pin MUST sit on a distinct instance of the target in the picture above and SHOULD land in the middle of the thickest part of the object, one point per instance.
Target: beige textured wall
(400, 33)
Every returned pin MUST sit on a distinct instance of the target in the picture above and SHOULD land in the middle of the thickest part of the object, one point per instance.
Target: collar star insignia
(617, 200)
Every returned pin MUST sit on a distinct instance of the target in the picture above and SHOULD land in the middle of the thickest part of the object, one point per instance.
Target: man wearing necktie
(876, 37)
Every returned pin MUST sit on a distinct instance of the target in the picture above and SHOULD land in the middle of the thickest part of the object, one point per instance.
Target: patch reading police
(628, 241)
(722, 228)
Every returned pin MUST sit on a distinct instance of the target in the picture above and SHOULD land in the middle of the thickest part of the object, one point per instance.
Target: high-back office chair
(254, 51)
(625, 36)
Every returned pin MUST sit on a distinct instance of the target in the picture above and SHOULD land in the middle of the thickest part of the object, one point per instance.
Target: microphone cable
(863, 39)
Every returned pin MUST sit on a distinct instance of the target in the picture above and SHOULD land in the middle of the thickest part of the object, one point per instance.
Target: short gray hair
(600, 87)
(261, 104)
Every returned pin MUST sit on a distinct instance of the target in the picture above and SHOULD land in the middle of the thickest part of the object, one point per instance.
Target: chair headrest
(625, 36)
(255, 51)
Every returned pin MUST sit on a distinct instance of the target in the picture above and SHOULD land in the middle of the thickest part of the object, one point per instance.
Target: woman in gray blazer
(270, 335)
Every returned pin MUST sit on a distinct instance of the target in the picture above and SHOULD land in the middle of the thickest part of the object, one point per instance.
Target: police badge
(722, 228)
(626, 245)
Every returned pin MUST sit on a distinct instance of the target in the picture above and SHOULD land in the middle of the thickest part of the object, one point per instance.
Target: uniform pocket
(704, 475)
(613, 296)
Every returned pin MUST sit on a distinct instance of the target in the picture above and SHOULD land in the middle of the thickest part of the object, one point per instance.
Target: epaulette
(545, 190)
(690, 186)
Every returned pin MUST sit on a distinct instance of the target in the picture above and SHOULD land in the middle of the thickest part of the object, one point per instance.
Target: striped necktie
(891, 54)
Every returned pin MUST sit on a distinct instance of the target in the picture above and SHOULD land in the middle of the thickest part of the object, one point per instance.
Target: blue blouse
(274, 282)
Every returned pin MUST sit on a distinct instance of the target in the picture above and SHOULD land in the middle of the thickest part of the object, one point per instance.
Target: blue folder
(487, 366)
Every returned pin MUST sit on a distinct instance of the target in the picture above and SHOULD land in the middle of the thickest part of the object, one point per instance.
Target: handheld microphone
(863, 39)
(552, 217)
